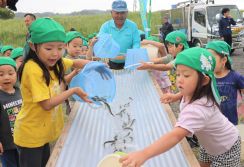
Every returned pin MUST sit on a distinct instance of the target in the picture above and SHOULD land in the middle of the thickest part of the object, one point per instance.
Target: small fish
(101, 99)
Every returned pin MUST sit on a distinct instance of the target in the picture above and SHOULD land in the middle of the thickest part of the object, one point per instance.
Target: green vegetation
(6, 13)
(13, 31)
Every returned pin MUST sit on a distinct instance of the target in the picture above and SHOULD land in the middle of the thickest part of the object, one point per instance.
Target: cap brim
(120, 10)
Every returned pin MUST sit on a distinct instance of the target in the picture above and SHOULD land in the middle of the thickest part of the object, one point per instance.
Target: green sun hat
(153, 38)
(7, 61)
(44, 30)
(6, 47)
(90, 36)
(222, 48)
(177, 37)
(72, 35)
(202, 60)
(85, 43)
(17, 52)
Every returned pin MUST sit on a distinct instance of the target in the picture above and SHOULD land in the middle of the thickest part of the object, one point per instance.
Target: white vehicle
(199, 20)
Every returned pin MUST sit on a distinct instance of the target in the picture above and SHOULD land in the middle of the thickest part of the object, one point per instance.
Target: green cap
(6, 47)
(152, 38)
(7, 61)
(46, 30)
(72, 35)
(201, 60)
(222, 48)
(177, 37)
(90, 36)
(17, 52)
(85, 43)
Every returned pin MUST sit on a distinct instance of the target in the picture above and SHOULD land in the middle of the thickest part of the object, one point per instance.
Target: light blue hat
(119, 6)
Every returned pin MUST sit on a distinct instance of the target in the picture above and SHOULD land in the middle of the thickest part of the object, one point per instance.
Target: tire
(197, 43)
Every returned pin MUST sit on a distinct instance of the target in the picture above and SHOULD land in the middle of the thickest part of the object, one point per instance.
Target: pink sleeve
(192, 119)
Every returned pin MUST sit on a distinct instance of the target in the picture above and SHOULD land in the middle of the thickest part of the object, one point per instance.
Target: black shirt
(225, 26)
(166, 29)
(10, 105)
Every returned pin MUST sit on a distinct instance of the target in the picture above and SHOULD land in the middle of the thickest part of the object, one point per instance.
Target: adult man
(166, 28)
(123, 31)
(29, 18)
(225, 26)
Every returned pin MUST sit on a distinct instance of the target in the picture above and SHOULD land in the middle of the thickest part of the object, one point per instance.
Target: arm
(170, 97)
(1, 149)
(160, 146)
(159, 45)
(221, 26)
(120, 57)
(90, 49)
(170, 29)
(69, 76)
(242, 96)
(56, 100)
(232, 21)
(79, 63)
(159, 67)
(1, 132)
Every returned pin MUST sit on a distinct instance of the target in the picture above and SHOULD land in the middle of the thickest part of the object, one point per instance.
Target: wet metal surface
(138, 119)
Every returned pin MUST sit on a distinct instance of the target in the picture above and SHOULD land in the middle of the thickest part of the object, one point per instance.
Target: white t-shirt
(213, 130)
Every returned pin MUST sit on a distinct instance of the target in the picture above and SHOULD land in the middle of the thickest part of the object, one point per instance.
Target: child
(228, 80)
(6, 50)
(10, 103)
(200, 115)
(17, 55)
(74, 43)
(41, 75)
(160, 76)
(176, 42)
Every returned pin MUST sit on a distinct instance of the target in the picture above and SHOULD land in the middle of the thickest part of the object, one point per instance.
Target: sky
(68, 6)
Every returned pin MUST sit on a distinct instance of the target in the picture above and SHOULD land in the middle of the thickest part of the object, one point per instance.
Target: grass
(13, 31)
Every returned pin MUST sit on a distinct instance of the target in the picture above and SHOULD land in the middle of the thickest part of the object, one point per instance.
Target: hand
(76, 71)
(229, 16)
(135, 159)
(82, 95)
(144, 66)
(93, 41)
(145, 42)
(1, 149)
(168, 98)
(103, 72)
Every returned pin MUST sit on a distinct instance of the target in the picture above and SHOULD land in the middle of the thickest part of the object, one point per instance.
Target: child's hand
(167, 98)
(1, 148)
(145, 42)
(135, 159)
(82, 95)
(93, 41)
(144, 66)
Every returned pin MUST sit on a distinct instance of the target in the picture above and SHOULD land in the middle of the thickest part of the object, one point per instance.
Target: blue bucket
(106, 47)
(134, 57)
(97, 80)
